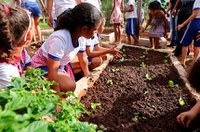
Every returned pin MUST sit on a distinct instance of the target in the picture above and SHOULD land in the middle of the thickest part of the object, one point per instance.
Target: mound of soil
(134, 94)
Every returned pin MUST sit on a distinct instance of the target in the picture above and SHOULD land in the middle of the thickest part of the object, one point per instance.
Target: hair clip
(5, 8)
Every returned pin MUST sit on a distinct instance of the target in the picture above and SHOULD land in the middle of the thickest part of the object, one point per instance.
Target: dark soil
(155, 102)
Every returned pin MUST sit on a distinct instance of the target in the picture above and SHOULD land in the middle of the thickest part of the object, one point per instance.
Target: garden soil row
(130, 100)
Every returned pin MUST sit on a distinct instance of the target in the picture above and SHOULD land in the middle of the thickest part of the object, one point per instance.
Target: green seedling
(123, 50)
(146, 92)
(142, 56)
(143, 65)
(165, 60)
(148, 77)
(122, 59)
(34, 47)
(102, 128)
(95, 105)
(115, 70)
(171, 84)
(124, 55)
(181, 102)
(136, 116)
(146, 52)
(109, 82)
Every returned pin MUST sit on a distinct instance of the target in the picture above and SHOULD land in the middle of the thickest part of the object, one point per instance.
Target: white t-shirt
(62, 5)
(94, 2)
(23, 1)
(132, 14)
(197, 6)
(59, 47)
(7, 71)
(92, 42)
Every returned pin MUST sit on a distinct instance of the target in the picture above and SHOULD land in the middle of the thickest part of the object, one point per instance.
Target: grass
(43, 25)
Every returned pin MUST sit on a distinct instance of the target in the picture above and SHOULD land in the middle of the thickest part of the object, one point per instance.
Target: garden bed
(136, 94)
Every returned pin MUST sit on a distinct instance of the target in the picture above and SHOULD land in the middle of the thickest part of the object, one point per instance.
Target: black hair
(194, 76)
(13, 25)
(155, 5)
(83, 14)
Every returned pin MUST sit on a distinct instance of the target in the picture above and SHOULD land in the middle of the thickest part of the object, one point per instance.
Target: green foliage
(148, 77)
(181, 102)
(136, 116)
(115, 69)
(23, 106)
(143, 65)
(95, 105)
(109, 82)
(172, 84)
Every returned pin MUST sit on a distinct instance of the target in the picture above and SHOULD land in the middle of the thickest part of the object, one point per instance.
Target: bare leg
(33, 31)
(129, 38)
(115, 30)
(196, 53)
(151, 41)
(156, 43)
(96, 61)
(119, 33)
(135, 39)
(184, 54)
(37, 28)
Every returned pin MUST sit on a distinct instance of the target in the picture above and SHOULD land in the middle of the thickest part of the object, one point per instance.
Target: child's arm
(82, 57)
(100, 51)
(43, 6)
(194, 14)
(49, 10)
(175, 7)
(148, 22)
(185, 118)
(130, 10)
(52, 73)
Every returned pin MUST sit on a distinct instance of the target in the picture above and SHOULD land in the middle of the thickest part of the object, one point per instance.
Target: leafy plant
(146, 92)
(181, 101)
(136, 116)
(143, 65)
(95, 105)
(165, 60)
(148, 77)
(123, 50)
(23, 106)
(109, 82)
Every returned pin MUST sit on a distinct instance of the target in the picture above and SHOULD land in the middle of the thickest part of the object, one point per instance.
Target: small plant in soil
(123, 50)
(124, 55)
(122, 59)
(115, 69)
(146, 92)
(181, 101)
(172, 84)
(166, 59)
(94, 106)
(148, 77)
(143, 65)
(136, 116)
(146, 52)
(142, 56)
(109, 82)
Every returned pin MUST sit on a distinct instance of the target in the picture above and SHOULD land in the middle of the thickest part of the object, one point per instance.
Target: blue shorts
(191, 33)
(131, 26)
(89, 60)
(33, 8)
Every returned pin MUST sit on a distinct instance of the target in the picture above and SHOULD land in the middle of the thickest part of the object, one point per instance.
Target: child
(191, 33)
(60, 6)
(33, 7)
(15, 25)
(158, 23)
(185, 118)
(63, 45)
(116, 18)
(131, 16)
(96, 53)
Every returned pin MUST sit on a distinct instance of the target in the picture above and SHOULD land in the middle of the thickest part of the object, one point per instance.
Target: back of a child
(15, 25)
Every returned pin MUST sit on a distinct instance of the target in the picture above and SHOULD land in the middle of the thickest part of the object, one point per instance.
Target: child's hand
(114, 50)
(185, 118)
(179, 27)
